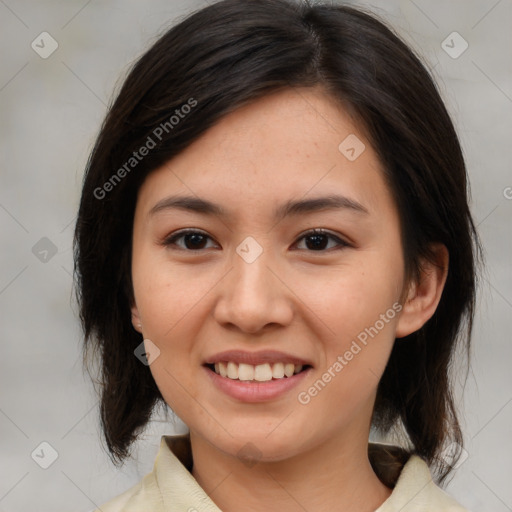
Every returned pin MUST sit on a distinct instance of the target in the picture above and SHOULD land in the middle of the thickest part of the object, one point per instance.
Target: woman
(274, 240)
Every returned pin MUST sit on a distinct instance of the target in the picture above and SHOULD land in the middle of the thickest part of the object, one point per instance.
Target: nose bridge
(251, 274)
(252, 296)
(251, 268)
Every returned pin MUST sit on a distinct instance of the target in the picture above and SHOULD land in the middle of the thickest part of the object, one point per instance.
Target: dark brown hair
(222, 57)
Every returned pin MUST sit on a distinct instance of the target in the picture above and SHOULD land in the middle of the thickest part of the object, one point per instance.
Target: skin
(311, 303)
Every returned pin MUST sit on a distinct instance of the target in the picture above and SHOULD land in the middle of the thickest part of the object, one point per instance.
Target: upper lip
(255, 358)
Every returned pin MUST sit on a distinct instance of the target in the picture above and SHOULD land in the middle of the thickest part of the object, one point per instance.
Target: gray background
(51, 110)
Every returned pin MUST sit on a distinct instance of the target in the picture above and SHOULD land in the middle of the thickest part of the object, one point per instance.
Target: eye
(193, 240)
(318, 239)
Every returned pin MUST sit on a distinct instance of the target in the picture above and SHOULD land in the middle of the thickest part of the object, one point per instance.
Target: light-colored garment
(170, 487)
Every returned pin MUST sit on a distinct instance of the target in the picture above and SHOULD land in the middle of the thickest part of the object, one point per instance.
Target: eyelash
(171, 240)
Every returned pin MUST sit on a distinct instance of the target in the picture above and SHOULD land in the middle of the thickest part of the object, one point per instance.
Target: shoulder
(409, 476)
(169, 486)
(141, 497)
(415, 491)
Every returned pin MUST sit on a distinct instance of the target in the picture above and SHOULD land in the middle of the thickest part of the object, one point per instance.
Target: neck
(335, 475)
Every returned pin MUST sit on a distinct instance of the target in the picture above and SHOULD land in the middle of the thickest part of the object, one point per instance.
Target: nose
(253, 296)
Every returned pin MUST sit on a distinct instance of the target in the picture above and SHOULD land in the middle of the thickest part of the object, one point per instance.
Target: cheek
(348, 299)
(167, 295)
(360, 310)
(169, 307)
(355, 356)
(172, 303)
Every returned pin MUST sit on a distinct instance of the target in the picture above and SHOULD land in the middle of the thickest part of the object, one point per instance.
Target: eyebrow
(290, 208)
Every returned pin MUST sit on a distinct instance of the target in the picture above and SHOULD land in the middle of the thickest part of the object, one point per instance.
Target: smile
(260, 373)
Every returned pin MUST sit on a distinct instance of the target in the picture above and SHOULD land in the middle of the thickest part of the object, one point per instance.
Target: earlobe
(137, 324)
(424, 295)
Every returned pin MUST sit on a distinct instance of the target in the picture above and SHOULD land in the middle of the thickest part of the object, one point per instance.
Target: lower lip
(246, 391)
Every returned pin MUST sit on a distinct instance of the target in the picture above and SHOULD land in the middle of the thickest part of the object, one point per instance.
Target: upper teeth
(260, 372)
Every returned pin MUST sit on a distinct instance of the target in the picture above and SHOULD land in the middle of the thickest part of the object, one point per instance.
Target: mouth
(264, 372)
(252, 377)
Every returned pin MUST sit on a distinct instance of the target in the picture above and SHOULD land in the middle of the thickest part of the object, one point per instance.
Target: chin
(258, 445)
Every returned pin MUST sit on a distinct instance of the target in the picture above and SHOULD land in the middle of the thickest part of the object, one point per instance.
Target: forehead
(287, 145)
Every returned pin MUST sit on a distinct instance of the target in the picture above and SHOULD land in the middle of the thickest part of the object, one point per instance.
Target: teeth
(289, 369)
(245, 372)
(278, 370)
(261, 372)
(232, 370)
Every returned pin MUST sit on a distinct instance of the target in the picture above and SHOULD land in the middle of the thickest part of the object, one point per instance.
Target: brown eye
(318, 240)
(315, 240)
(192, 240)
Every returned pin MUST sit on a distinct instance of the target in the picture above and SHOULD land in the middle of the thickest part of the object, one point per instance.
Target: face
(264, 246)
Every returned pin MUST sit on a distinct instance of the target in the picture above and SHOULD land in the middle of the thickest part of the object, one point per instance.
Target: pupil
(317, 244)
(195, 239)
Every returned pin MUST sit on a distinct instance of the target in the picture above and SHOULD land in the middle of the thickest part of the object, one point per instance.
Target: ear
(425, 293)
(136, 322)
